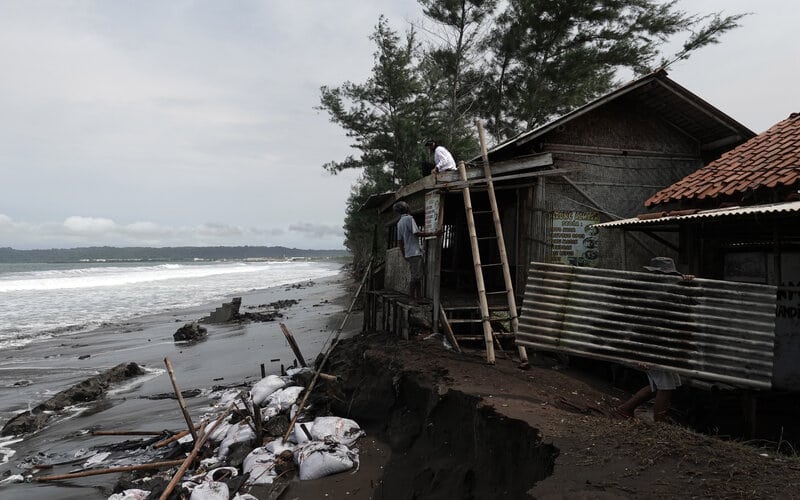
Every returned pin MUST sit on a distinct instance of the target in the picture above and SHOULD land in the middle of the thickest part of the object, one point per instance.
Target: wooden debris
(293, 345)
(181, 402)
(111, 470)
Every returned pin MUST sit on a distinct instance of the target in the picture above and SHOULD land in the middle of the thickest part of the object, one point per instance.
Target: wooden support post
(181, 402)
(404, 322)
(293, 345)
(448, 330)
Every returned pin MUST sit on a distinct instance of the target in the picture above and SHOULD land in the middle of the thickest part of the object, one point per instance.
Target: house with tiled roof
(765, 169)
(738, 219)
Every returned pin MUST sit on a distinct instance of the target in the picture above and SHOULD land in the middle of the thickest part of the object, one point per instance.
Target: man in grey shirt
(408, 234)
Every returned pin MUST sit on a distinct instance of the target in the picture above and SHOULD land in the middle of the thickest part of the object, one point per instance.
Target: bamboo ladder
(488, 334)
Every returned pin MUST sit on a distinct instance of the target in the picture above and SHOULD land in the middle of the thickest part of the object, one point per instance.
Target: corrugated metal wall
(708, 329)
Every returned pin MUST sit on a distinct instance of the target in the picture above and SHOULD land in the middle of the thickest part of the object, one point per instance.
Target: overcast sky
(181, 122)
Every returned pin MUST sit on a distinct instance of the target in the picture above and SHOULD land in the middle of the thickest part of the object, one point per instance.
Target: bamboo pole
(293, 344)
(198, 445)
(501, 244)
(111, 470)
(318, 371)
(476, 259)
(448, 330)
(181, 402)
(170, 439)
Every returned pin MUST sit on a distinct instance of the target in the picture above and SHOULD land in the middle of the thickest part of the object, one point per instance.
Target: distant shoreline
(159, 254)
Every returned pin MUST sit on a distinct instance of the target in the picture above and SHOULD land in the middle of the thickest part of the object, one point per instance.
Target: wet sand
(231, 355)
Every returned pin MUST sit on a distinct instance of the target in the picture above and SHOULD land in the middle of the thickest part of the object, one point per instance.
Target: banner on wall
(574, 241)
(432, 202)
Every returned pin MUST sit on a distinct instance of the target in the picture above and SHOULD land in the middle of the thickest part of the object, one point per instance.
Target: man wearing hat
(662, 383)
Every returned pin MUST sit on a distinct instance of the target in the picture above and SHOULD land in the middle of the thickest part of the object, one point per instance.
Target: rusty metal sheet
(708, 329)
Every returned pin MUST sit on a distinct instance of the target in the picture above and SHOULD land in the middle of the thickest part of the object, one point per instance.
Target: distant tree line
(10, 255)
(514, 64)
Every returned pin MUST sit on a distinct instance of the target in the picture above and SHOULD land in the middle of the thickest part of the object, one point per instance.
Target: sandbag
(239, 433)
(266, 386)
(283, 399)
(317, 459)
(341, 430)
(210, 490)
(132, 494)
(260, 464)
(220, 432)
(277, 446)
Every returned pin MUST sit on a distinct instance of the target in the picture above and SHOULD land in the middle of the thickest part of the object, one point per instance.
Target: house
(738, 219)
(552, 183)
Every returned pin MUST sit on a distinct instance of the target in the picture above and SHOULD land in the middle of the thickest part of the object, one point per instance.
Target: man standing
(442, 158)
(661, 383)
(408, 240)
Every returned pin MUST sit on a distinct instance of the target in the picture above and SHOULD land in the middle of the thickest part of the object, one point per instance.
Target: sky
(186, 123)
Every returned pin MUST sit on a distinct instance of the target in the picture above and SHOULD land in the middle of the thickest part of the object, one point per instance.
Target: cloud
(89, 225)
(97, 231)
(316, 230)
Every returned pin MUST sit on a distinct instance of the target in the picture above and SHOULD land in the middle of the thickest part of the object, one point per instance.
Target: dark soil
(460, 428)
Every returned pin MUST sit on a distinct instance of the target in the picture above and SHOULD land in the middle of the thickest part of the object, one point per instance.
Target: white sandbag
(260, 464)
(228, 397)
(269, 412)
(293, 372)
(298, 435)
(132, 494)
(277, 446)
(284, 398)
(210, 490)
(341, 430)
(246, 496)
(266, 386)
(318, 459)
(220, 432)
(239, 433)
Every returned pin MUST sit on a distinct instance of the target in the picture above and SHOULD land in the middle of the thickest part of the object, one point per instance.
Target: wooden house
(555, 182)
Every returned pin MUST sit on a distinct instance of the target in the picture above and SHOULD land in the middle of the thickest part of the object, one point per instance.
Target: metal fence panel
(714, 330)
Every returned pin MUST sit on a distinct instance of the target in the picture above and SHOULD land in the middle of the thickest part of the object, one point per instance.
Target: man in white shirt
(442, 158)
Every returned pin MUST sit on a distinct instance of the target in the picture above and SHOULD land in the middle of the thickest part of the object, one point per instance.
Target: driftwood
(111, 470)
(181, 402)
(198, 445)
(128, 433)
(293, 345)
(172, 438)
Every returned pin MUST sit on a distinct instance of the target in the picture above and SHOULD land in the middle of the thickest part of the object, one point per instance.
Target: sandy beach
(230, 356)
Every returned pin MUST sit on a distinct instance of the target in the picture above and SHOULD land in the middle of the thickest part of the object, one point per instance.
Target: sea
(42, 301)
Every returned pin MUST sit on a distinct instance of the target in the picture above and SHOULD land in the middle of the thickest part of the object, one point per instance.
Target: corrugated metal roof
(659, 218)
(707, 329)
(768, 160)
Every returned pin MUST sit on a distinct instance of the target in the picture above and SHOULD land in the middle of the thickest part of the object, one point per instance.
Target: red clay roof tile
(768, 160)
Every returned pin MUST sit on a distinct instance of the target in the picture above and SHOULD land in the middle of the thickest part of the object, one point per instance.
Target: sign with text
(574, 242)
(432, 202)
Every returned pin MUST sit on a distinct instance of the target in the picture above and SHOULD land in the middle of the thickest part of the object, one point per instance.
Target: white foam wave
(117, 276)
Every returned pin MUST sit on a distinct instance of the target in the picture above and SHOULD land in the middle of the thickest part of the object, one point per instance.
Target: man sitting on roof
(442, 158)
